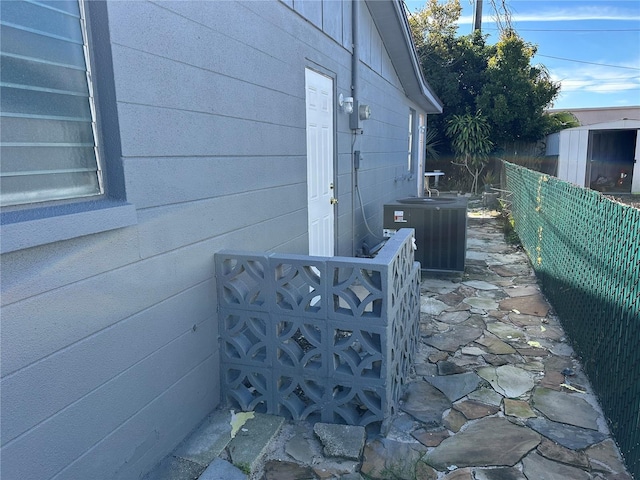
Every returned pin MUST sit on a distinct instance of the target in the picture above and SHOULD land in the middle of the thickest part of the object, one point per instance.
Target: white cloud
(595, 79)
(582, 12)
(578, 13)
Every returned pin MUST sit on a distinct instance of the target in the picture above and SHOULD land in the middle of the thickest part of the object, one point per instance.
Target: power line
(588, 63)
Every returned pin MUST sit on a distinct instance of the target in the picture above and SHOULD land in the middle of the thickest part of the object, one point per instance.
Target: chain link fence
(585, 249)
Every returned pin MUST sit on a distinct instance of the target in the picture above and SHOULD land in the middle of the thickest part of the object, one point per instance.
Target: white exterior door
(320, 191)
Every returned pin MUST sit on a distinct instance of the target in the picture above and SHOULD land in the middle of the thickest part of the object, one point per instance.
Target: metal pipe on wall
(355, 18)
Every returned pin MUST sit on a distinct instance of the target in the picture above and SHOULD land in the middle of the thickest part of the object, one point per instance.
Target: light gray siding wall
(109, 341)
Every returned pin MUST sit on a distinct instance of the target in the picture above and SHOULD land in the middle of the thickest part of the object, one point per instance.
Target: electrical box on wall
(360, 112)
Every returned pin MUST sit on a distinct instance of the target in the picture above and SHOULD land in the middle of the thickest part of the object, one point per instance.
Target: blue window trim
(23, 228)
(32, 227)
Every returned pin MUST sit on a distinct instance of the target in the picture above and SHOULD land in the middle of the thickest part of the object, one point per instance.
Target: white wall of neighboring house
(591, 153)
(590, 116)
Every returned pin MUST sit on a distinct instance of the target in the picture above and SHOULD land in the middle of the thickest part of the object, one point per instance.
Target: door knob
(333, 201)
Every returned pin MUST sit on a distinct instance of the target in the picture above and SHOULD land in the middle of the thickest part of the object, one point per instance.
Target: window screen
(48, 137)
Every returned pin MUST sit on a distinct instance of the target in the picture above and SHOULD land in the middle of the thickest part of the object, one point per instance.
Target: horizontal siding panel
(83, 308)
(162, 181)
(299, 243)
(26, 273)
(74, 372)
(133, 449)
(154, 132)
(166, 228)
(162, 82)
(74, 430)
(263, 236)
(265, 27)
(198, 41)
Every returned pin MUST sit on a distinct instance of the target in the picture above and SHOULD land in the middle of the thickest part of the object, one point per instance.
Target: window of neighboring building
(49, 143)
(412, 115)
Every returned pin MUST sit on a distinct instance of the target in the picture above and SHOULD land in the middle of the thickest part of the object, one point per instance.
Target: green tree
(469, 75)
(515, 94)
(561, 120)
(453, 65)
(470, 140)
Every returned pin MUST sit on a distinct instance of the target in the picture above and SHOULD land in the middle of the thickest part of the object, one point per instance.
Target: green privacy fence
(585, 250)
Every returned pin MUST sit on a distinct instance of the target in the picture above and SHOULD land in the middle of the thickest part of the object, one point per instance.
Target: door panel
(320, 191)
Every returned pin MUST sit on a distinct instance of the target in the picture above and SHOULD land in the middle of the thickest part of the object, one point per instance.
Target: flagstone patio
(496, 392)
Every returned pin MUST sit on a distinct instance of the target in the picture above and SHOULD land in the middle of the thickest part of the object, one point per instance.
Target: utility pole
(477, 16)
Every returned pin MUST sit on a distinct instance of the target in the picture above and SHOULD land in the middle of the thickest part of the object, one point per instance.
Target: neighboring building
(590, 116)
(198, 126)
(603, 156)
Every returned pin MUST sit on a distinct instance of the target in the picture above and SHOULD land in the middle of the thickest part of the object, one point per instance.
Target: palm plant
(470, 141)
(431, 144)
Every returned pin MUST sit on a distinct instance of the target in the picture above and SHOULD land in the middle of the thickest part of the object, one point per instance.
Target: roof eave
(392, 24)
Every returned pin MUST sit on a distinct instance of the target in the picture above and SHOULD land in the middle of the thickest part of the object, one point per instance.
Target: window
(53, 184)
(48, 145)
(412, 114)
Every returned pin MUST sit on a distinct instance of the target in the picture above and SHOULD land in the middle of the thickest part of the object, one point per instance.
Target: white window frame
(410, 159)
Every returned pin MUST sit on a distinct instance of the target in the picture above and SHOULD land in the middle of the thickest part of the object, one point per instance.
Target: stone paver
(507, 380)
(575, 438)
(518, 408)
(384, 459)
(257, 431)
(425, 403)
(553, 451)
(531, 304)
(494, 345)
(536, 466)
(455, 386)
(344, 441)
(565, 407)
(208, 442)
(489, 441)
(605, 457)
(220, 469)
(473, 409)
(453, 338)
(499, 473)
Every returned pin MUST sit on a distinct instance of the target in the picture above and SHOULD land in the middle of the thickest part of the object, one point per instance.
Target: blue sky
(591, 47)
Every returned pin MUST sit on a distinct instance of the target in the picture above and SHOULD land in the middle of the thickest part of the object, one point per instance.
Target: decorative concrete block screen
(585, 249)
(326, 339)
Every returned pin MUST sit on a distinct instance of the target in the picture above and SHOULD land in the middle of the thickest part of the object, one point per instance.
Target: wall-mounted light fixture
(346, 103)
